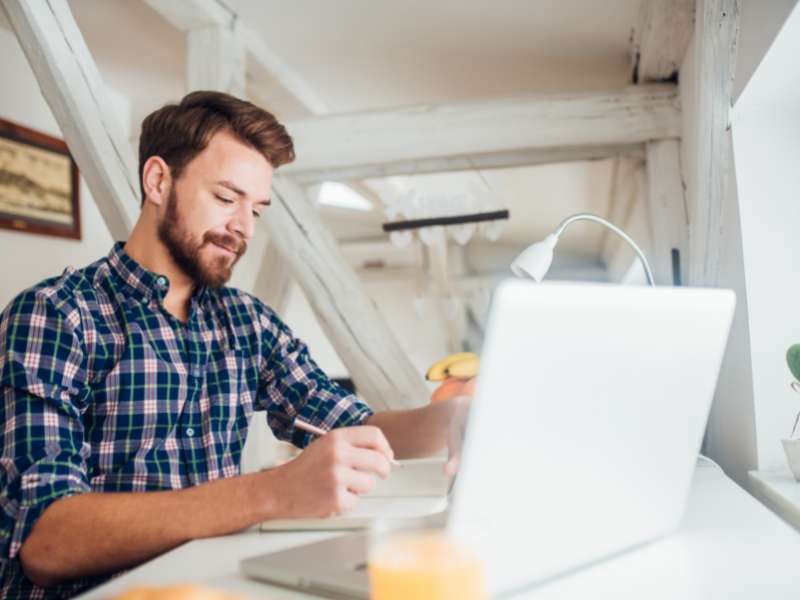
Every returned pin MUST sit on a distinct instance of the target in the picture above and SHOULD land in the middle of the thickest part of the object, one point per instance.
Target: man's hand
(332, 472)
(456, 432)
(108, 532)
(420, 432)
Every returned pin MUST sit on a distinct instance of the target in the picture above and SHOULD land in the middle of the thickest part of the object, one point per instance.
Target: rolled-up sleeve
(292, 385)
(43, 392)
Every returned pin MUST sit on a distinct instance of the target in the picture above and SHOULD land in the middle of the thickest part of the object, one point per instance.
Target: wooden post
(718, 33)
(668, 215)
(451, 306)
(626, 193)
(189, 15)
(660, 39)
(659, 45)
(74, 90)
(216, 59)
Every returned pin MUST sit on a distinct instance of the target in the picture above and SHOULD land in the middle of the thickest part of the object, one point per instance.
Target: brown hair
(179, 132)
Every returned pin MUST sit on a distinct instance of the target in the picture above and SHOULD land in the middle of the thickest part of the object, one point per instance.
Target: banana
(462, 365)
(465, 369)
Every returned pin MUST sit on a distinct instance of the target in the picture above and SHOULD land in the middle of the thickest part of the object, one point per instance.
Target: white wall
(28, 258)
(762, 21)
(730, 435)
(766, 135)
(421, 337)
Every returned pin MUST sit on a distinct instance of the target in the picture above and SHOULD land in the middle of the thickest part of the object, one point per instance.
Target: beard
(187, 250)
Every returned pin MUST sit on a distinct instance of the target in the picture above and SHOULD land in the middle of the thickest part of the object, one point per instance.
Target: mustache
(235, 245)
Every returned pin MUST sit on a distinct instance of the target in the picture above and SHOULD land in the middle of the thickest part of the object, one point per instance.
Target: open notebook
(417, 488)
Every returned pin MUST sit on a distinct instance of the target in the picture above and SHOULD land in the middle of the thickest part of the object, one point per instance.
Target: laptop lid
(589, 414)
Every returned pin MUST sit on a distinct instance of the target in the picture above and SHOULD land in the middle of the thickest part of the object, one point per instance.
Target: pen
(300, 424)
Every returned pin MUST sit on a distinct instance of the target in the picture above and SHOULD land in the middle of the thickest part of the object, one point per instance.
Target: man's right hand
(331, 473)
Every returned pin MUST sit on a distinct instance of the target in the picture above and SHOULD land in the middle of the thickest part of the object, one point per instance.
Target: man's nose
(244, 222)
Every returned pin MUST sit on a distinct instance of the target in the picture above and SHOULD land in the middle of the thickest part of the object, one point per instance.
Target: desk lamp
(535, 260)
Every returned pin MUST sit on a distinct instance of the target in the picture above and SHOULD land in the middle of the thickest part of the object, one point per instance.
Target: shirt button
(161, 281)
(189, 431)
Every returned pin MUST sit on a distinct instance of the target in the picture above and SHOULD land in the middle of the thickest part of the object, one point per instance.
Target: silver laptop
(581, 440)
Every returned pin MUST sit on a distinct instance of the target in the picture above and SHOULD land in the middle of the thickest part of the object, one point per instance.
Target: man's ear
(156, 180)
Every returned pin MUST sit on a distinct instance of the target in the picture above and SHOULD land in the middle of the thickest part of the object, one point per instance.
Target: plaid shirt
(103, 390)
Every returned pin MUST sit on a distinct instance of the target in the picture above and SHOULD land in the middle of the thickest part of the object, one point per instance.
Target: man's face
(211, 211)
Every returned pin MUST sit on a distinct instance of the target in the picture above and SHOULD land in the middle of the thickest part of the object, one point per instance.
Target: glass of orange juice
(423, 563)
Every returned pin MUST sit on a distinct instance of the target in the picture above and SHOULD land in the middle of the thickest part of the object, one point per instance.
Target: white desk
(729, 547)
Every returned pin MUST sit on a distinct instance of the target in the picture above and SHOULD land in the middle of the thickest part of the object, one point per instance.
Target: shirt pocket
(227, 396)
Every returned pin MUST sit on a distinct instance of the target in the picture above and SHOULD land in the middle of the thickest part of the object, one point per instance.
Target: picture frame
(39, 183)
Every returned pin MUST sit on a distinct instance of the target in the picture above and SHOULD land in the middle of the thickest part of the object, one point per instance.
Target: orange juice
(424, 566)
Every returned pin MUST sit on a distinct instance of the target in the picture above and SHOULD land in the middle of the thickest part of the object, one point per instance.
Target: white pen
(300, 424)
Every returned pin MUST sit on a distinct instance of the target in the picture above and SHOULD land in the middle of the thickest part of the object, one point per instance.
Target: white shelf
(780, 492)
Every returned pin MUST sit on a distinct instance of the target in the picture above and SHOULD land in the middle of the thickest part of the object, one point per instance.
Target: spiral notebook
(418, 488)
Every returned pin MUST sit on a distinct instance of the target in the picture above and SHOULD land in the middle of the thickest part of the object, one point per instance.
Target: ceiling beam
(215, 59)
(412, 136)
(448, 164)
(660, 39)
(189, 15)
(71, 84)
(265, 59)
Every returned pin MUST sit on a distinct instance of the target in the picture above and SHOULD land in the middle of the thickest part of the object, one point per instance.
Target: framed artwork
(38, 183)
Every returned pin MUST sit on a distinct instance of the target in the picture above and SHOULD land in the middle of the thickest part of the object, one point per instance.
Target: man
(127, 385)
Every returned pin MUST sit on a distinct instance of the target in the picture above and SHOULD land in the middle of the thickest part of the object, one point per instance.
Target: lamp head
(535, 260)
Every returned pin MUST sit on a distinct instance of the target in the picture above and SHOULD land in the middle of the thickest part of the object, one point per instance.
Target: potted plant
(791, 446)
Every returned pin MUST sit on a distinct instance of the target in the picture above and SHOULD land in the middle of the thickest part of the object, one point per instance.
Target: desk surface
(729, 546)
(778, 490)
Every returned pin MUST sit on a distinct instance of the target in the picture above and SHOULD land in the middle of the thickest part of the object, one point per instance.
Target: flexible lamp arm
(590, 217)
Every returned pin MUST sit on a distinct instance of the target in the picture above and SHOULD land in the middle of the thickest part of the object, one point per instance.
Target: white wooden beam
(496, 160)
(659, 45)
(627, 194)
(74, 90)
(273, 278)
(661, 38)
(380, 369)
(260, 55)
(668, 215)
(216, 59)
(186, 15)
(415, 134)
(450, 305)
(621, 197)
(190, 15)
(718, 33)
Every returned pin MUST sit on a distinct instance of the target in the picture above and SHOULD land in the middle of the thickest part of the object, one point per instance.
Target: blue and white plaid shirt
(103, 390)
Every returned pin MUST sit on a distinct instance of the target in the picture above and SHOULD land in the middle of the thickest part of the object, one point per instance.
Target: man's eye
(256, 214)
(224, 200)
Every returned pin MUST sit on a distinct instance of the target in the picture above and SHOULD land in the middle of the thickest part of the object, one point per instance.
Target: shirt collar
(141, 283)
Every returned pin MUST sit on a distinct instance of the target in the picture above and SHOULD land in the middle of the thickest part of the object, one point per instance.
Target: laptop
(581, 440)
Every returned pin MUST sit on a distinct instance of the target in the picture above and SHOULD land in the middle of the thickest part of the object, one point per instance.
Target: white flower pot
(792, 450)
